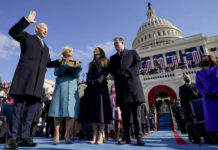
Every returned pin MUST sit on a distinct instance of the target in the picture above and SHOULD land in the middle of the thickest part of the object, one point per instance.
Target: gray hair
(39, 25)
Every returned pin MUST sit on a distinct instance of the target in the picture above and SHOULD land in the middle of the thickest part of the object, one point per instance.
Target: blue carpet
(161, 140)
(164, 122)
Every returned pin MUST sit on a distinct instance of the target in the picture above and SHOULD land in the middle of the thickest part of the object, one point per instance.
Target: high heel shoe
(68, 142)
(55, 143)
(56, 140)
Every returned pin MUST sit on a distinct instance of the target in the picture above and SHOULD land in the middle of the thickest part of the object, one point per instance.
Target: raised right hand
(31, 17)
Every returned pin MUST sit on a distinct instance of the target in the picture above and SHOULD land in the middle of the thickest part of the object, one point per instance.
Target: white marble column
(165, 60)
(206, 51)
(184, 57)
(178, 57)
(152, 62)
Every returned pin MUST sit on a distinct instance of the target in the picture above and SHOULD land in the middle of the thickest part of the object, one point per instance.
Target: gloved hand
(70, 70)
(58, 63)
(212, 96)
(55, 63)
(92, 82)
(78, 69)
(124, 75)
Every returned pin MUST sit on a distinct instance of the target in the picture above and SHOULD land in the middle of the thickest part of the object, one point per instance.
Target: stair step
(164, 122)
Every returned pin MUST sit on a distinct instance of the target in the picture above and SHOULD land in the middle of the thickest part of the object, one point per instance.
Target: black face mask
(205, 63)
(187, 80)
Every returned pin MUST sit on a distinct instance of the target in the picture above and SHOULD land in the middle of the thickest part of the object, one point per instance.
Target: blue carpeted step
(164, 121)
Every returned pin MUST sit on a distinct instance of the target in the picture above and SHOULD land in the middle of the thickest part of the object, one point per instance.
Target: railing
(172, 74)
(191, 71)
(159, 76)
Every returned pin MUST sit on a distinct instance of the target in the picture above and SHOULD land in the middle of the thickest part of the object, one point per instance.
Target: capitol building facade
(166, 55)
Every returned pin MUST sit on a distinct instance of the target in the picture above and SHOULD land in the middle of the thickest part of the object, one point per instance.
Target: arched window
(149, 35)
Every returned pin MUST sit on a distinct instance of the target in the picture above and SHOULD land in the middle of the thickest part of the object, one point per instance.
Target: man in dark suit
(27, 84)
(188, 92)
(125, 66)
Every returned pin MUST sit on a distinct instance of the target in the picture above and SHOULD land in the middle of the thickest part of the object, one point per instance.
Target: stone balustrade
(178, 73)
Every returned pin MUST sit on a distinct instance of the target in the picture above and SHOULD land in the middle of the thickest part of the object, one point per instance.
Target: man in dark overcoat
(125, 66)
(27, 83)
(188, 92)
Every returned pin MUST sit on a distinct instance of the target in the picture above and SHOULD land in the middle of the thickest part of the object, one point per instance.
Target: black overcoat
(30, 72)
(187, 93)
(130, 90)
(95, 104)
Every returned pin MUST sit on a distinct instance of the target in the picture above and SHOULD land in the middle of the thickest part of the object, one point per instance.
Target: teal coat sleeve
(77, 72)
(61, 70)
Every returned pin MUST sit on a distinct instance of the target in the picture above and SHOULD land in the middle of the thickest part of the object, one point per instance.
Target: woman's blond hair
(65, 49)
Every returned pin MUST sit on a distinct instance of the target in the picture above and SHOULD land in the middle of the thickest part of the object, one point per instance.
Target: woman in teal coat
(65, 101)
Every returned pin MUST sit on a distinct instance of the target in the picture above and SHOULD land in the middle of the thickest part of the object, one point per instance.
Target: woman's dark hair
(103, 59)
(102, 53)
(212, 60)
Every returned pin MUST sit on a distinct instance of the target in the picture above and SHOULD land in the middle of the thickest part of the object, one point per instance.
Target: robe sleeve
(200, 86)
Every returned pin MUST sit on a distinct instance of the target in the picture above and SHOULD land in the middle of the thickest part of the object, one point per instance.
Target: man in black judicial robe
(125, 66)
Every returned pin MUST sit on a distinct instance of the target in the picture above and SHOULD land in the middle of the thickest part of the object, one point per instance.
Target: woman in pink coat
(116, 114)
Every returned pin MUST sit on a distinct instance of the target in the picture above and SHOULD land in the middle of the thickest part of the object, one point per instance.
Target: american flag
(161, 62)
(156, 63)
(196, 57)
(148, 65)
(143, 64)
(172, 61)
(193, 56)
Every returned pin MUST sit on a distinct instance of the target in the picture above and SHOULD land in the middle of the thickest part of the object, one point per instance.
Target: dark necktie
(121, 54)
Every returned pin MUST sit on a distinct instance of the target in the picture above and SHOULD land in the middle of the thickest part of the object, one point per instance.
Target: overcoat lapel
(38, 40)
(123, 58)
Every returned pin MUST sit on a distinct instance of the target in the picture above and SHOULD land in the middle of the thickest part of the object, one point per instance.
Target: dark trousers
(29, 108)
(126, 110)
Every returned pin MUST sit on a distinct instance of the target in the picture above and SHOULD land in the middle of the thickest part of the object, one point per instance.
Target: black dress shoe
(124, 141)
(11, 145)
(27, 143)
(140, 142)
